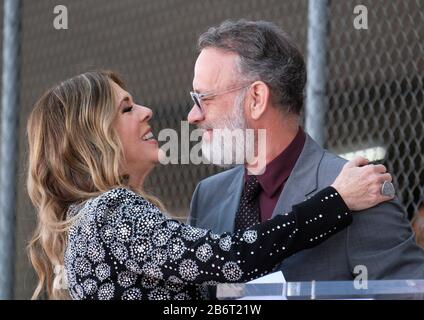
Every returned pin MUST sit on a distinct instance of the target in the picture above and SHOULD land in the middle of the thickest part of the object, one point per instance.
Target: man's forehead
(212, 67)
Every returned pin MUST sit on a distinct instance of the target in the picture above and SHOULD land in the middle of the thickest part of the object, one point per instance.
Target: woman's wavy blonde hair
(74, 154)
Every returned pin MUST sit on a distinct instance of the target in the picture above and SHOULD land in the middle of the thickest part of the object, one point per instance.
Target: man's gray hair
(265, 53)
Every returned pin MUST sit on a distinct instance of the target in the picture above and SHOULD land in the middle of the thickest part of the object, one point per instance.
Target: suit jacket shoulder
(379, 238)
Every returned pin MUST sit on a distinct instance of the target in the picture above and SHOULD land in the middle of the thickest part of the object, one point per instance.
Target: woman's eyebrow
(125, 99)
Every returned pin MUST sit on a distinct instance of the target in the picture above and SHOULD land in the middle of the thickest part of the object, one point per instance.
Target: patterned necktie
(248, 212)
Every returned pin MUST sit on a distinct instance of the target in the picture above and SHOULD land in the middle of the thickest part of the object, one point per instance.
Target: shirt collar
(279, 169)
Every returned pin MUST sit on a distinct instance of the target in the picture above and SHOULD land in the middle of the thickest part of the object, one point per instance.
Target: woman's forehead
(121, 94)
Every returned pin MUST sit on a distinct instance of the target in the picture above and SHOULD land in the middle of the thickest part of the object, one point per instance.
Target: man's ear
(258, 98)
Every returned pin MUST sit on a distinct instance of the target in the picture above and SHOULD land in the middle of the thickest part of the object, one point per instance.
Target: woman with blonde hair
(90, 150)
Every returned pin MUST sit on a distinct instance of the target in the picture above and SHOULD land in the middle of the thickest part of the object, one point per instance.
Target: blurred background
(373, 78)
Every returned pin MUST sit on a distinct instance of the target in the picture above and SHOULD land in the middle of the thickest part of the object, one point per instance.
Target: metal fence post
(9, 144)
(317, 47)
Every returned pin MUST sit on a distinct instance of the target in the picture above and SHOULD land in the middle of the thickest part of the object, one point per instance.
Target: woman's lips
(151, 141)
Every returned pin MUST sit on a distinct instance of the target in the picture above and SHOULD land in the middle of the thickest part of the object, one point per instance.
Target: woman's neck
(136, 180)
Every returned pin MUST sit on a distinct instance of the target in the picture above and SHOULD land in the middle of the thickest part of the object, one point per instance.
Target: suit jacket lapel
(230, 201)
(302, 182)
(304, 178)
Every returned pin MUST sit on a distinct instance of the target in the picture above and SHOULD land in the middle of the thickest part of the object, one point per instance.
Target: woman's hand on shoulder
(360, 184)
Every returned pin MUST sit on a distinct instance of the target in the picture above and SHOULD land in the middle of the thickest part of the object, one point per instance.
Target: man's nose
(195, 115)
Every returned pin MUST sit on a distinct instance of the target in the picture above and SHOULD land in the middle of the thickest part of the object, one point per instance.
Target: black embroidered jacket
(122, 247)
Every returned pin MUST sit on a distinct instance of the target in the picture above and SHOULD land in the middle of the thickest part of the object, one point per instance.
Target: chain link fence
(375, 86)
(153, 45)
(376, 89)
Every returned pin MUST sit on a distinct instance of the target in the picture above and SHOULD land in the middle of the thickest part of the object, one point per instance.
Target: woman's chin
(161, 156)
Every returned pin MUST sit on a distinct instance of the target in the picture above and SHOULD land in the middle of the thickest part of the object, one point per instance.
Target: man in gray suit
(249, 75)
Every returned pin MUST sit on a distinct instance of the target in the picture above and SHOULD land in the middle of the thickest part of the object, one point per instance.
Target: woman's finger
(384, 177)
(357, 162)
(380, 168)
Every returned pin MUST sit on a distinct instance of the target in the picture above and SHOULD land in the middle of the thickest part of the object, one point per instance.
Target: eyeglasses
(199, 97)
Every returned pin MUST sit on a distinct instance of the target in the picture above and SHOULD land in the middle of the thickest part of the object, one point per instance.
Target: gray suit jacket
(379, 238)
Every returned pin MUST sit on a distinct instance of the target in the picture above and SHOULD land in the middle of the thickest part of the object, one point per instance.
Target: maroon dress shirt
(276, 174)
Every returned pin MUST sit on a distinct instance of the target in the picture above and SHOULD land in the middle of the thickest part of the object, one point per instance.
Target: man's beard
(230, 144)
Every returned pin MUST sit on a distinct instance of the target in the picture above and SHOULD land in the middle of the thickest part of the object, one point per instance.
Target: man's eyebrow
(197, 87)
(200, 90)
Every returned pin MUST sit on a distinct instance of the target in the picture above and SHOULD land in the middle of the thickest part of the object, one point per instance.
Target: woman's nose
(145, 113)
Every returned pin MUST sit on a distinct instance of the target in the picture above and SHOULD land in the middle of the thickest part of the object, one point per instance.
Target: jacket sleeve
(381, 239)
(159, 248)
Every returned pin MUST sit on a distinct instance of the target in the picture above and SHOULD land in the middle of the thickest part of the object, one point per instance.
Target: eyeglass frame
(197, 97)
